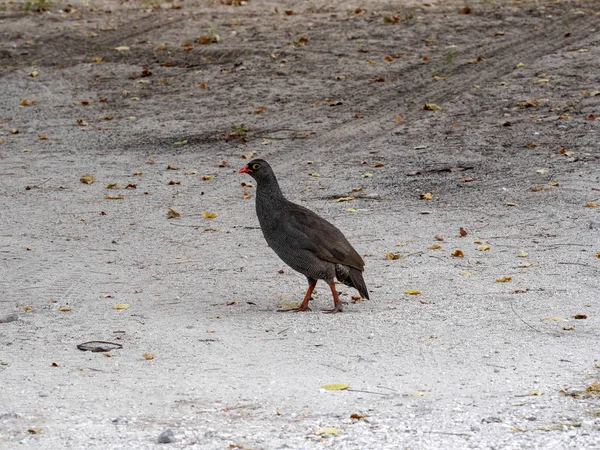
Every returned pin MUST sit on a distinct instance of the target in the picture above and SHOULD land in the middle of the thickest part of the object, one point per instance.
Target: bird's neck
(269, 189)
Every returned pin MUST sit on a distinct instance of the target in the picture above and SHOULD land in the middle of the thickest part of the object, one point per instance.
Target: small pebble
(166, 437)
(595, 224)
(9, 318)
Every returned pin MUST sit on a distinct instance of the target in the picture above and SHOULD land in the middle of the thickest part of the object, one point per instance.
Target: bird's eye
(256, 166)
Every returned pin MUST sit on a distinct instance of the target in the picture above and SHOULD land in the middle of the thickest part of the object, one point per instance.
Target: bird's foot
(298, 309)
(337, 309)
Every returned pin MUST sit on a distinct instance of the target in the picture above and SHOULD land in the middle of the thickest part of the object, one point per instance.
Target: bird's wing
(321, 237)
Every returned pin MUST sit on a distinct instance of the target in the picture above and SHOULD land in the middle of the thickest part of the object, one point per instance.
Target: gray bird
(304, 241)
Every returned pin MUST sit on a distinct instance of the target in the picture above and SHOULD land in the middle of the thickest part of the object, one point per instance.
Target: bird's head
(257, 169)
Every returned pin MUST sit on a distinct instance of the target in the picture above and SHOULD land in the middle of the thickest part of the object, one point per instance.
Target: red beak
(245, 170)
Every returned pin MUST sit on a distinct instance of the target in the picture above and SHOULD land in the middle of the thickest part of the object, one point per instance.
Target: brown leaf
(464, 10)
(172, 214)
(173, 182)
(463, 232)
(392, 256)
(457, 253)
(399, 119)
(147, 356)
(580, 316)
(536, 188)
(87, 178)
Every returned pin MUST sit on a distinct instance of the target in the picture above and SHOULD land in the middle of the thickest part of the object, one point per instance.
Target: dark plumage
(303, 240)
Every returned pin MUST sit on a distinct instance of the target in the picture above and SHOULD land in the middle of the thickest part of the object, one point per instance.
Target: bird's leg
(304, 305)
(337, 305)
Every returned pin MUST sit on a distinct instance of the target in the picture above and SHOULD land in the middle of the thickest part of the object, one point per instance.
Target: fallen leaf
(463, 232)
(173, 182)
(418, 394)
(530, 145)
(344, 199)
(504, 279)
(553, 183)
(466, 180)
(536, 188)
(438, 237)
(131, 186)
(114, 186)
(457, 253)
(580, 316)
(54, 364)
(542, 80)
(169, 167)
(34, 430)
(325, 431)
(553, 319)
(522, 254)
(178, 143)
(335, 387)
(535, 393)
(399, 119)
(81, 123)
(206, 177)
(87, 178)
(542, 171)
(466, 273)
(314, 174)
(208, 215)
(33, 73)
(223, 164)
(591, 205)
(64, 309)
(434, 247)
(483, 248)
(358, 416)
(121, 306)
(96, 59)
(147, 356)
(172, 214)
(392, 256)
(366, 175)
(525, 264)
(426, 196)
(378, 164)
(114, 197)
(412, 292)
(431, 107)
(464, 10)
(122, 48)
(351, 210)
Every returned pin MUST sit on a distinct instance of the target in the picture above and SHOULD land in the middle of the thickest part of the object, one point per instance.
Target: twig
(521, 319)
(183, 262)
(573, 263)
(188, 226)
(367, 392)
(284, 330)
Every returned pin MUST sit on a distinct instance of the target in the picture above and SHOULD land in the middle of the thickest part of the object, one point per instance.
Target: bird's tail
(352, 277)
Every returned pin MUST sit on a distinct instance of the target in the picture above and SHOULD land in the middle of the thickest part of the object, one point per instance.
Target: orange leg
(337, 305)
(304, 305)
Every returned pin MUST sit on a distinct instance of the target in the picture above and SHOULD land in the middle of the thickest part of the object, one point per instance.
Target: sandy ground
(470, 362)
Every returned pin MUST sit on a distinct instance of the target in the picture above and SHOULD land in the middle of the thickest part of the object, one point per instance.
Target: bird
(305, 241)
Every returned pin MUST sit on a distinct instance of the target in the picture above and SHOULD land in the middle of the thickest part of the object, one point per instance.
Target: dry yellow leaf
(434, 247)
(314, 174)
(542, 171)
(114, 197)
(426, 196)
(121, 306)
(526, 264)
(169, 167)
(122, 48)
(96, 59)
(148, 356)
(392, 256)
(412, 292)
(535, 393)
(466, 273)
(591, 205)
(335, 387)
(432, 107)
(536, 188)
(81, 123)
(344, 199)
(87, 178)
(366, 175)
(114, 186)
(542, 80)
(504, 279)
(64, 309)
(483, 248)
(598, 254)
(553, 319)
(208, 215)
(325, 431)
(418, 394)
(206, 177)
(351, 210)
(522, 254)
(553, 183)
(190, 172)
(33, 73)
(378, 164)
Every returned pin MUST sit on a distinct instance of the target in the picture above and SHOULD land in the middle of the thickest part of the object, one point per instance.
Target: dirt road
(432, 116)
